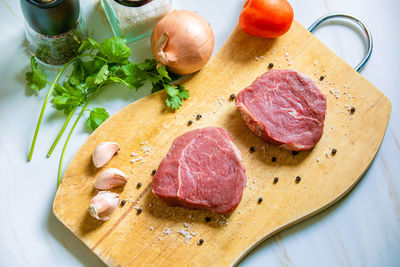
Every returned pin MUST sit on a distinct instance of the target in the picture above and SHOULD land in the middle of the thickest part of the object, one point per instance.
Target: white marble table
(361, 230)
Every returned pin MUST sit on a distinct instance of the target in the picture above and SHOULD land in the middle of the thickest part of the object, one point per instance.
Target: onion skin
(183, 41)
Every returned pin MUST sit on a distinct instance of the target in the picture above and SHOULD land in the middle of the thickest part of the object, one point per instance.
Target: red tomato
(266, 18)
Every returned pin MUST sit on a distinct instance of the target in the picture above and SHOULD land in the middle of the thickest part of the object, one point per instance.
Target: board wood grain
(152, 238)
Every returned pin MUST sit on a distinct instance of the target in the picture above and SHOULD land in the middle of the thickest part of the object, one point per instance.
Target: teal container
(132, 19)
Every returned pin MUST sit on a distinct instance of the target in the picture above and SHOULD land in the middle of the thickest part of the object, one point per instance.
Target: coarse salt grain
(167, 231)
(186, 234)
(137, 159)
(147, 149)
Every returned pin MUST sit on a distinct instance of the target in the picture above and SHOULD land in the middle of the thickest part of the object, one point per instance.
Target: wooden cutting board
(152, 238)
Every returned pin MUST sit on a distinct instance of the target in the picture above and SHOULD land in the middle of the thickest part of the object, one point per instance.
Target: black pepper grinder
(54, 29)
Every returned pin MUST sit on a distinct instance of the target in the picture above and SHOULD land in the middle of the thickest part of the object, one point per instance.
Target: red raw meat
(202, 170)
(284, 108)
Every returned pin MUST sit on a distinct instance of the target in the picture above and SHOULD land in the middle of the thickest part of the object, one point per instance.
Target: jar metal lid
(51, 17)
(133, 3)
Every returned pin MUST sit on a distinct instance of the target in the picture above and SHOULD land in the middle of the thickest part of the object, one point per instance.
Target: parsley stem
(46, 100)
(61, 132)
(66, 143)
(60, 166)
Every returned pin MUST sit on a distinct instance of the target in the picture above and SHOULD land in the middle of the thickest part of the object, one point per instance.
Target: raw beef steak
(202, 170)
(284, 108)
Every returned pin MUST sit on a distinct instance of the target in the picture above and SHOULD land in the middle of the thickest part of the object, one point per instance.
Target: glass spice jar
(54, 29)
(135, 19)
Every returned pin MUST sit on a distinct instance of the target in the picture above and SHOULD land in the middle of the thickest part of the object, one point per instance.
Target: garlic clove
(103, 205)
(103, 153)
(110, 178)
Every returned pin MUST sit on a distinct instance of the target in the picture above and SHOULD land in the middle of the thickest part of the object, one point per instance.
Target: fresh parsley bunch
(98, 65)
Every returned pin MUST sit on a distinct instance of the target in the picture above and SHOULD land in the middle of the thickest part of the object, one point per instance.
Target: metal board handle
(363, 26)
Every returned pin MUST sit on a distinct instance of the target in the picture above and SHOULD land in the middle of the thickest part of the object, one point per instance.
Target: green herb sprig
(98, 65)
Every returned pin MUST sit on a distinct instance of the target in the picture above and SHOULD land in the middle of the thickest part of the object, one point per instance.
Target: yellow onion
(183, 41)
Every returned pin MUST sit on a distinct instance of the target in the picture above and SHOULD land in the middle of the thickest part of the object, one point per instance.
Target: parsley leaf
(135, 77)
(148, 65)
(163, 73)
(67, 96)
(36, 78)
(115, 50)
(118, 80)
(102, 75)
(175, 95)
(78, 73)
(93, 66)
(96, 118)
(183, 93)
(63, 102)
(88, 44)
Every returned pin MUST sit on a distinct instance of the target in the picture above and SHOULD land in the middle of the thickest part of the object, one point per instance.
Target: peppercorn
(153, 172)
(352, 110)
(139, 210)
(232, 97)
(201, 241)
(190, 122)
(270, 65)
(207, 219)
(139, 185)
(273, 159)
(322, 78)
(260, 199)
(334, 151)
(198, 117)
(252, 149)
(276, 179)
(298, 179)
(294, 153)
(123, 202)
